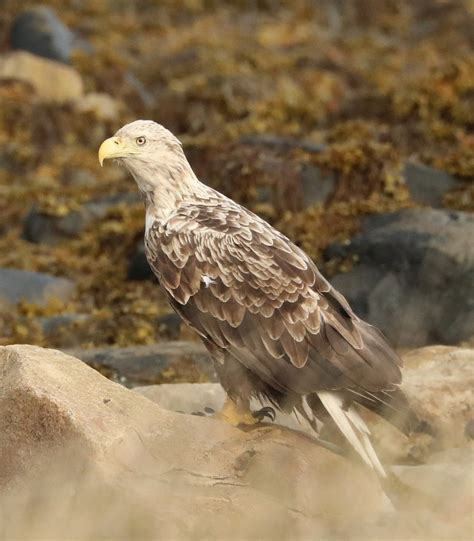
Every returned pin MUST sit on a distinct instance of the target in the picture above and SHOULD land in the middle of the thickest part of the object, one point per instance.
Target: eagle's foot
(237, 414)
(267, 411)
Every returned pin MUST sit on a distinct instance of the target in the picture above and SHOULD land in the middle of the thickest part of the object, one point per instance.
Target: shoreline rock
(65, 425)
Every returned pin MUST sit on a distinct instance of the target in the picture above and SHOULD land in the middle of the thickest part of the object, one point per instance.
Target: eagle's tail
(351, 424)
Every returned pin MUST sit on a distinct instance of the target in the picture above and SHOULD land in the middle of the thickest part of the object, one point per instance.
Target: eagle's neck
(165, 188)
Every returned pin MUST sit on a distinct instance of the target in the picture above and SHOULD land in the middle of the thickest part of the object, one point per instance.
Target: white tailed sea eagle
(274, 326)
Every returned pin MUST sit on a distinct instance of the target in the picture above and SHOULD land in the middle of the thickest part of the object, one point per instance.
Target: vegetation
(374, 83)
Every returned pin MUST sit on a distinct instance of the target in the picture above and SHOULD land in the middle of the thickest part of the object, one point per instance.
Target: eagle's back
(251, 293)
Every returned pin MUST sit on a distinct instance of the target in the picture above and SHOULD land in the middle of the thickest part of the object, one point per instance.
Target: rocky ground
(83, 458)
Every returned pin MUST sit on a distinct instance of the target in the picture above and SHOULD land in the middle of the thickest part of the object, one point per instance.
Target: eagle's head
(152, 154)
(142, 141)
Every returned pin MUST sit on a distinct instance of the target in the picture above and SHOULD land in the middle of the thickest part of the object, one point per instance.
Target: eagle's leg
(240, 385)
(237, 413)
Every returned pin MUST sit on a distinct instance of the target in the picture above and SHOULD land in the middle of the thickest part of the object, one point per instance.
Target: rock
(316, 185)
(169, 325)
(102, 106)
(47, 229)
(447, 482)
(186, 397)
(165, 361)
(39, 31)
(282, 143)
(359, 282)
(91, 456)
(53, 323)
(426, 184)
(419, 265)
(82, 178)
(51, 81)
(208, 399)
(138, 268)
(439, 384)
(34, 287)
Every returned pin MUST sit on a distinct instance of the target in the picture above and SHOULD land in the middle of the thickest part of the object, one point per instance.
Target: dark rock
(39, 31)
(163, 362)
(282, 143)
(315, 185)
(47, 229)
(34, 287)
(138, 268)
(44, 228)
(53, 324)
(417, 272)
(169, 325)
(100, 207)
(360, 282)
(426, 184)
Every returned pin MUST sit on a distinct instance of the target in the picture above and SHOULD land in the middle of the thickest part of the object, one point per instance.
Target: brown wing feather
(248, 290)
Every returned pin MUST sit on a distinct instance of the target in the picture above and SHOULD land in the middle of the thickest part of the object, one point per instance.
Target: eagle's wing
(250, 291)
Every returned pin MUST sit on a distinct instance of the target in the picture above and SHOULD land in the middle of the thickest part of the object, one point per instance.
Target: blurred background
(346, 124)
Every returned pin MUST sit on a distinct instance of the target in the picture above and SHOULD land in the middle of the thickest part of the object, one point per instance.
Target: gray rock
(139, 365)
(360, 282)
(169, 325)
(39, 31)
(94, 459)
(138, 268)
(316, 185)
(34, 287)
(417, 270)
(44, 228)
(282, 143)
(53, 324)
(426, 184)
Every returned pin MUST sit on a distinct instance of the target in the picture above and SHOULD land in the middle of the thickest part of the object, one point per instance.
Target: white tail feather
(351, 424)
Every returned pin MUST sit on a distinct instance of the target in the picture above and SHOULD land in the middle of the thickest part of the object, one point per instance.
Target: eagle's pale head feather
(152, 154)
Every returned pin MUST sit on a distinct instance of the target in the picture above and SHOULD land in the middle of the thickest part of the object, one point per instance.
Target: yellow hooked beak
(111, 148)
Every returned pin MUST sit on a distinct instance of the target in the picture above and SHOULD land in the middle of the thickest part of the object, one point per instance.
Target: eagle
(275, 328)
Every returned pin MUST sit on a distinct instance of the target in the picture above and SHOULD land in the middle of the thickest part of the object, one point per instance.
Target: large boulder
(414, 276)
(51, 81)
(93, 459)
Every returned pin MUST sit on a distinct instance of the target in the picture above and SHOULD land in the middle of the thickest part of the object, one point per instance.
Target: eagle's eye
(140, 140)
